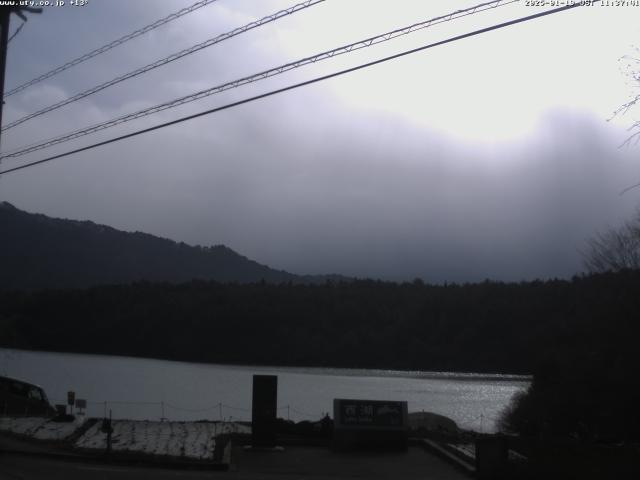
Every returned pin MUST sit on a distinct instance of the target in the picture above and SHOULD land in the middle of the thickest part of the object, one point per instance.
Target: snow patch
(38, 427)
(193, 440)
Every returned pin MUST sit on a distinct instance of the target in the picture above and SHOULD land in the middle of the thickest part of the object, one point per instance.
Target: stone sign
(369, 423)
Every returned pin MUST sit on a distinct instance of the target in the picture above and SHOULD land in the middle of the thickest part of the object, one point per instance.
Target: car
(22, 398)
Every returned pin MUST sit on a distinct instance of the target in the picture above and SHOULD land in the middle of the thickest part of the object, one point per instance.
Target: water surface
(152, 389)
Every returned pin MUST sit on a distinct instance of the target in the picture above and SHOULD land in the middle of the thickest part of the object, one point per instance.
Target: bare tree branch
(615, 249)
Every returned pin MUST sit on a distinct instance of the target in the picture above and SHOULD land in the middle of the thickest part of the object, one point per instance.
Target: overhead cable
(109, 46)
(15, 33)
(294, 86)
(384, 37)
(163, 61)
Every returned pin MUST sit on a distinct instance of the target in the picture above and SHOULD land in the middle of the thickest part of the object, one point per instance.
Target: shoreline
(313, 370)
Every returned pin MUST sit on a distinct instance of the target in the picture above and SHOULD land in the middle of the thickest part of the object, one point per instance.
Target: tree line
(484, 327)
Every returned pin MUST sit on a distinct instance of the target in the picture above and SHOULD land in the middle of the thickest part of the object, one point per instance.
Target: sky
(490, 157)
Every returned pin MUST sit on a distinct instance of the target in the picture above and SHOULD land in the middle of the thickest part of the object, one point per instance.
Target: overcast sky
(490, 157)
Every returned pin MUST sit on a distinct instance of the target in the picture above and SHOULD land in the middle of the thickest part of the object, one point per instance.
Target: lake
(138, 388)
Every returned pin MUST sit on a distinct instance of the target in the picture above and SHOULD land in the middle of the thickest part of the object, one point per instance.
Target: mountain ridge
(38, 251)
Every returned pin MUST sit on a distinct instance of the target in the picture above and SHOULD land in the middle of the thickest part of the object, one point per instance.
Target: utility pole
(5, 14)
(4, 40)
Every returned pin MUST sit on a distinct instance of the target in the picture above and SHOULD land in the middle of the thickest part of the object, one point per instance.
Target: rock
(432, 422)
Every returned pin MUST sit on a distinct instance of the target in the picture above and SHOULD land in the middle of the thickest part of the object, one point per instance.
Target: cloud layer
(366, 176)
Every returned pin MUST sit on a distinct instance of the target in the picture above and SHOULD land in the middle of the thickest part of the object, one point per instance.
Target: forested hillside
(37, 251)
(486, 327)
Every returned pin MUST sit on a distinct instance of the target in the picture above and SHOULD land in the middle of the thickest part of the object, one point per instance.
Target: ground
(22, 458)
(292, 463)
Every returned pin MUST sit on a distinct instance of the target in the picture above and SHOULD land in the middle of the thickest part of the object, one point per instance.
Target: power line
(110, 45)
(193, 410)
(384, 37)
(297, 85)
(16, 32)
(163, 61)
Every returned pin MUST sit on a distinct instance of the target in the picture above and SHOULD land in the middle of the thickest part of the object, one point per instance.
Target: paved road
(293, 463)
(321, 463)
(14, 467)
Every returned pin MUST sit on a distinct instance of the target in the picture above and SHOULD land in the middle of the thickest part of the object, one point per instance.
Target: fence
(162, 410)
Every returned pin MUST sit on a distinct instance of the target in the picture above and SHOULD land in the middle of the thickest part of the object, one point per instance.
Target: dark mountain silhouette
(37, 251)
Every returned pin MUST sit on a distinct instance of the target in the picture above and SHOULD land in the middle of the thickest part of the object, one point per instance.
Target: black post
(492, 456)
(264, 409)
(109, 432)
